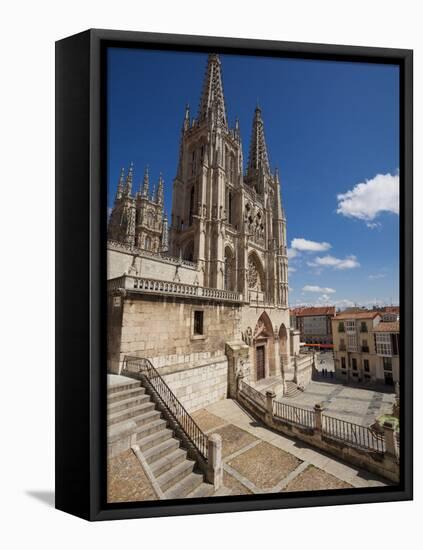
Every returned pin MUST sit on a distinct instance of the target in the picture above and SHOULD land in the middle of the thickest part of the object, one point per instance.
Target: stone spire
(187, 118)
(160, 190)
(129, 179)
(146, 182)
(258, 160)
(121, 183)
(212, 104)
(279, 208)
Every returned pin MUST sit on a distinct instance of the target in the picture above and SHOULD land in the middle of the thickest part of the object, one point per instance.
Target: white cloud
(291, 269)
(292, 253)
(305, 245)
(313, 288)
(367, 200)
(350, 262)
(342, 304)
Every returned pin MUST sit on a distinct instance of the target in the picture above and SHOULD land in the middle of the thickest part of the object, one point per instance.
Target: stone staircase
(133, 420)
(272, 383)
(291, 389)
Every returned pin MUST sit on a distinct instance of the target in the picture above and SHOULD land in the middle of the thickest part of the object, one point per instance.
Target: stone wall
(303, 365)
(121, 261)
(201, 385)
(161, 329)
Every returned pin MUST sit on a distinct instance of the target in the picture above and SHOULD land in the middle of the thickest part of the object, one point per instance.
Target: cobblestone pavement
(258, 460)
(126, 480)
(357, 405)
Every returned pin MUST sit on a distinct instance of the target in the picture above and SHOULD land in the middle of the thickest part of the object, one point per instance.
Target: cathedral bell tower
(208, 180)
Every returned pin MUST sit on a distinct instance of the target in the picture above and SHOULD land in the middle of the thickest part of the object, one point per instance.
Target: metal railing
(295, 415)
(257, 397)
(146, 371)
(353, 434)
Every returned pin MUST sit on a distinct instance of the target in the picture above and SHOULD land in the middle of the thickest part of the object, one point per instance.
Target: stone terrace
(258, 460)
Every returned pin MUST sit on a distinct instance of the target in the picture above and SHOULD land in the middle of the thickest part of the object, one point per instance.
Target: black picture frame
(81, 268)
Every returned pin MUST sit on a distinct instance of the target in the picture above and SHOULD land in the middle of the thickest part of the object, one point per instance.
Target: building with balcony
(366, 348)
(314, 324)
(208, 298)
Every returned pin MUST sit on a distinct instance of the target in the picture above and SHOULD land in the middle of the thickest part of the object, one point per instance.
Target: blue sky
(332, 129)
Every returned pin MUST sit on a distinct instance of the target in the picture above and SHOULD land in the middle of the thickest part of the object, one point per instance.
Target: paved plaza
(259, 460)
(357, 405)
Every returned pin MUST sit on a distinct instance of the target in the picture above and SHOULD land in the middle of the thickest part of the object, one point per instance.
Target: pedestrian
(331, 373)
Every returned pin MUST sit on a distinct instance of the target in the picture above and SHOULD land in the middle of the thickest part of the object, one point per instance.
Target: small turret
(120, 187)
(160, 190)
(146, 183)
(187, 118)
(129, 179)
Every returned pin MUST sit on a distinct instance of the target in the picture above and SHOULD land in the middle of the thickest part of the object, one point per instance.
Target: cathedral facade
(211, 299)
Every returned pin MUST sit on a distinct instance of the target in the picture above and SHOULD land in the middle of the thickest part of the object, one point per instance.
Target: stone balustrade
(155, 286)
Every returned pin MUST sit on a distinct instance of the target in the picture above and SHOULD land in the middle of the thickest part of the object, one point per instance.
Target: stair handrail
(146, 370)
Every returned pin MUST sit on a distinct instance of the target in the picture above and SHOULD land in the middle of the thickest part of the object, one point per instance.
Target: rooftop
(388, 327)
(357, 315)
(308, 311)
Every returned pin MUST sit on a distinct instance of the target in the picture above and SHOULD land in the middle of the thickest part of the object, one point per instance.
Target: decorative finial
(146, 182)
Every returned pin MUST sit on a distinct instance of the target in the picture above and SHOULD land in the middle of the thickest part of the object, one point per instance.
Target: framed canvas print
(234, 274)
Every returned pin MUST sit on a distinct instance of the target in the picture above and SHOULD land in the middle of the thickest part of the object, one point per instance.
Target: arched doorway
(263, 344)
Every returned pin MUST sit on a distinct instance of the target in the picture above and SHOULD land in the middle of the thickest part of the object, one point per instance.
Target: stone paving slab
(234, 439)
(237, 488)
(264, 465)
(126, 480)
(206, 420)
(314, 479)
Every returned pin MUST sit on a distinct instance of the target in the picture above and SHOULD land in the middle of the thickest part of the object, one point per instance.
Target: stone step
(203, 490)
(126, 394)
(115, 388)
(222, 492)
(152, 439)
(185, 486)
(127, 403)
(156, 425)
(168, 461)
(146, 418)
(291, 390)
(176, 474)
(162, 449)
(132, 413)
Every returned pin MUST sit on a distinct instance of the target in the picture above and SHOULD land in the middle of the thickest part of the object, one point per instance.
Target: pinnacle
(258, 158)
(212, 100)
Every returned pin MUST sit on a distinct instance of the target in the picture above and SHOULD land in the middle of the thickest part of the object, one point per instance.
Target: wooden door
(260, 361)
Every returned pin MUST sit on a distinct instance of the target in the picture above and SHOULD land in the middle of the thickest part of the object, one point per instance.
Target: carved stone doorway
(261, 361)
